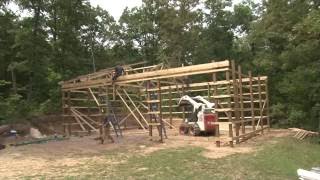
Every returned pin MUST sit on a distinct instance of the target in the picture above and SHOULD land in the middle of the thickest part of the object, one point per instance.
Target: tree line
(56, 40)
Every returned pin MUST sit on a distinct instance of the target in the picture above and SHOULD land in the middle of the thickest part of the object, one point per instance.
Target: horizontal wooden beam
(202, 84)
(153, 75)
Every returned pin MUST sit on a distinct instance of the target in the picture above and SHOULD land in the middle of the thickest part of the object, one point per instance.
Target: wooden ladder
(154, 110)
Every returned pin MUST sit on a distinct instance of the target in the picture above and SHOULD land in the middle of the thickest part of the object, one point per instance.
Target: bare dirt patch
(55, 159)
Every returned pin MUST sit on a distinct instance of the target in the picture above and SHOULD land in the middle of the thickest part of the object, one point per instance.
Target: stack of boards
(301, 133)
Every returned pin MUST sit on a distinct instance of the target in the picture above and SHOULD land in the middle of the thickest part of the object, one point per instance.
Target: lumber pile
(302, 134)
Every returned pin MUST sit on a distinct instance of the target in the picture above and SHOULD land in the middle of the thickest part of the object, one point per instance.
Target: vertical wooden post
(267, 99)
(64, 112)
(113, 92)
(63, 99)
(88, 102)
(149, 107)
(69, 106)
(215, 89)
(101, 110)
(231, 135)
(209, 93)
(235, 99)
(160, 112)
(260, 104)
(170, 106)
(229, 113)
(243, 129)
(108, 103)
(183, 107)
(251, 103)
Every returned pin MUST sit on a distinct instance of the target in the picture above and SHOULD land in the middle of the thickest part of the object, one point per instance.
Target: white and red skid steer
(203, 118)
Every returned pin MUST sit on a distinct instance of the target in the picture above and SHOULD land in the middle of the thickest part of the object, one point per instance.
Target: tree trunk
(36, 17)
(14, 81)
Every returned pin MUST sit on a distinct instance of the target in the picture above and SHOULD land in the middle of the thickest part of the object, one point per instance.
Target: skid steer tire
(195, 130)
(183, 129)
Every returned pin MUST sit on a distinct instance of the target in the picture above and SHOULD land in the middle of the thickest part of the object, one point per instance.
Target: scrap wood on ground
(302, 134)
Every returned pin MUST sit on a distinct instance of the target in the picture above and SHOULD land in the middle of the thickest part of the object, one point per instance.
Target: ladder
(111, 115)
(110, 111)
(154, 110)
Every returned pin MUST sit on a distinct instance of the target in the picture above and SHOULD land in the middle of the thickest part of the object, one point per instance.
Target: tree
(285, 42)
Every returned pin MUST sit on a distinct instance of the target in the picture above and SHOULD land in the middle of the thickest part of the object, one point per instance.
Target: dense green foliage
(56, 39)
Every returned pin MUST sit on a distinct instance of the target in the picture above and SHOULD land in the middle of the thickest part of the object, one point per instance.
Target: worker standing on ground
(105, 131)
(118, 71)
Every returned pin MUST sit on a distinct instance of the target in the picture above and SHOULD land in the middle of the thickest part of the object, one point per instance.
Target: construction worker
(105, 131)
(118, 71)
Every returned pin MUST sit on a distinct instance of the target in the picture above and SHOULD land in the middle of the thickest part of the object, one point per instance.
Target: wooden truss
(241, 99)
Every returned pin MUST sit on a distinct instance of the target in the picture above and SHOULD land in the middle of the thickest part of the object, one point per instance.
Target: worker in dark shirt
(118, 71)
(105, 130)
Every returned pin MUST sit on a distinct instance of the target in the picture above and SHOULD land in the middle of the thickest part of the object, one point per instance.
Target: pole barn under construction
(146, 98)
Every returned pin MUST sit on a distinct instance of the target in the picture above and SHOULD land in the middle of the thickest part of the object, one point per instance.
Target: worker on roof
(118, 71)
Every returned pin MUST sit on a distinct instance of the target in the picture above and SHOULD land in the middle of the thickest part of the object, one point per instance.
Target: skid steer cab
(203, 118)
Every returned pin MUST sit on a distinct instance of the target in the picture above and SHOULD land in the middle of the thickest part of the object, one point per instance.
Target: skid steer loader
(203, 117)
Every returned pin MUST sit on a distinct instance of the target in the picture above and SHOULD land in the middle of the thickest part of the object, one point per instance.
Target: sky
(116, 7)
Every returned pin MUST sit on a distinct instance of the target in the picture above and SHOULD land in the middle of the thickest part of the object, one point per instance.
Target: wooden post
(209, 93)
(69, 100)
(69, 111)
(260, 104)
(170, 106)
(235, 99)
(243, 129)
(215, 90)
(183, 107)
(160, 112)
(108, 104)
(251, 103)
(102, 113)
(267, 99)
(131, 111)
(88, 102)
(229, 113)
(114, 92)
(64, 113)
(231, 134)
(149, 107)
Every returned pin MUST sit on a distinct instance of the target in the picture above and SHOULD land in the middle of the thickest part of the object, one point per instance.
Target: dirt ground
(46, 159)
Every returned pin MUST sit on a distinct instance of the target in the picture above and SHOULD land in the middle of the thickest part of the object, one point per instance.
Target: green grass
(275, 161)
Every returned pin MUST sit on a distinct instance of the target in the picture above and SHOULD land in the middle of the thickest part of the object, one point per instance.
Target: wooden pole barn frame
(241, 99)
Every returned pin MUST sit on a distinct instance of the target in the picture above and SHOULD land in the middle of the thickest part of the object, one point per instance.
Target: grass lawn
(278, 160)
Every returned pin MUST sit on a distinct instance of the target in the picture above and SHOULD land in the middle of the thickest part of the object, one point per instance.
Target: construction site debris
(40, 141)
(302, 134)
(35, 133)
(4, 129)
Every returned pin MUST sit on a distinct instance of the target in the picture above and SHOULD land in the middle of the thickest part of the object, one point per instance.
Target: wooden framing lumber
(81, 118)
(251, 102)
(128, 107)
(243, 129)
(154, 75)
(137, 109)
(240, 99)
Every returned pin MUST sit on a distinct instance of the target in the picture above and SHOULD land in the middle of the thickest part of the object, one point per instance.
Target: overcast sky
(116, 7)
